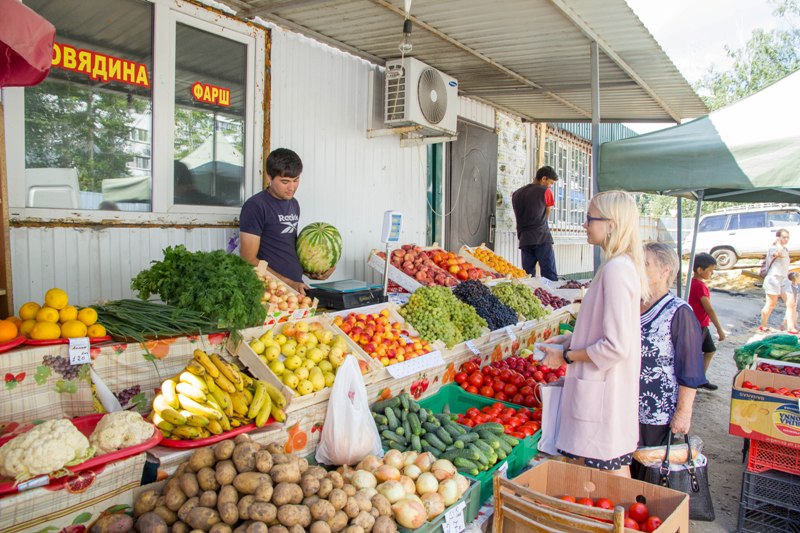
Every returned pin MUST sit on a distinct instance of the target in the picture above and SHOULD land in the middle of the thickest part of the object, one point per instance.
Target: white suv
(730, 235)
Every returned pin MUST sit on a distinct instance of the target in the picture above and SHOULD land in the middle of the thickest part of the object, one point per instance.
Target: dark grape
(487, 305)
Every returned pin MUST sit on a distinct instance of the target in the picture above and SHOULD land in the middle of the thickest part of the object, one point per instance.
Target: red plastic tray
(13, 343)
(170, 443)
(51, 342)
(86, 425)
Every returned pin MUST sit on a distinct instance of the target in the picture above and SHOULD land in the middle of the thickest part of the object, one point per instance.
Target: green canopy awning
(746, 152)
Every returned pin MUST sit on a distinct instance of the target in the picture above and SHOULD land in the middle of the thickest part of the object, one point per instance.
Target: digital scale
(349, 293)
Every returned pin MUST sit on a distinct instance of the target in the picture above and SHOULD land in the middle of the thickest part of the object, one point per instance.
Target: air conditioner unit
(419, 95)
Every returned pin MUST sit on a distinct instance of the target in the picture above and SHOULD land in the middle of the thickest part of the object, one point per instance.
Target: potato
(263, 461)
(316, 471)
(354, 529)
(257, 527)
(278, 529)
(322, 510)
(208, 499)
(171, 484)
(180, 527)
(244, 456)
(350, 490)
(310, 485)
(374, 512)
(225, 472)
(302, 464)
(202, 458)
(248, 482)
(174, 498)
(241, 438)
(337, 479)
(229, 513)
(287, 472)
(227, 494)
(364, 520)
(283, 458)
(207, 479)
(320, 527)
(363, 501)
(167, 515)
(339, 521)
(274, 447)
(219, 527)
(310, 500)
(182, 469)
(114, 523)
(351, 507)
(145, 503)
(151, 523)
(263, 511)
(224, 450)
(287, 493)
(297, 529)
(189, 485)
(383, 506)
(338, 498)
(384, 524)
(244, 506)
(202, 518)
(291, 515)
(190, 504)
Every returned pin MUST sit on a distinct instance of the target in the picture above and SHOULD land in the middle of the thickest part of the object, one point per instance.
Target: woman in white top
(776, 282)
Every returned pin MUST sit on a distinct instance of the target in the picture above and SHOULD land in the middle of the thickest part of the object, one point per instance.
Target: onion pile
(280, 295)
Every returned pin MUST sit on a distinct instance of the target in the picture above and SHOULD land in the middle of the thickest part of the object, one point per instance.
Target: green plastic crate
(471, 498)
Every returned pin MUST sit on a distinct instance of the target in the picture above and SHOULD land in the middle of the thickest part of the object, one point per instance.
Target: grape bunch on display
(552, 300)
(60, 365)
(438, 315)
(496, 313)
(521, 298)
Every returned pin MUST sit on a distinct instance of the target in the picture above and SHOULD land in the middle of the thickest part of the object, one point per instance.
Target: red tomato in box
(603, 503)
(475, 379)
(538, 376)
(472, 389)
(568, 498)
(469, 422)
(505, 374)
(530, 400)
(488, 380)
(526, 430)
(651, 524)
(487, 391)
(630, 523)
(525, 390)
(514, 421)
(639, 512)
(465, 385)
(469, 367)
(585, 501)
(510, 390)
(461, 377)
(498, 385)
(537, 415)
(516, 434)
(472, 411)
(501, 396)
(487, 371)
(518, 399)
(524, 412)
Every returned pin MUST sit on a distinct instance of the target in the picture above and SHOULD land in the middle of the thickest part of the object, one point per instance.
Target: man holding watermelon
(268, 225)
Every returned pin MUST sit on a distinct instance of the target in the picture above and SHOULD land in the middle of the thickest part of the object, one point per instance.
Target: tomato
(461, 377)
(469, 367)
(465, 385)
(651, 524)
(530, 400)
(516, 434)
(480, 418)
(526, 430)
(538, 376)
(524, 412)
(536, 426)
(472, 411)
(501, 396)
(505, 374)
(585, 501)
(603, 503)
(472, 389)
(630, 523)
(518, 399)
(639, 512)
(537, 415)
(510, 390)
(561, 372)
(488, 380)
(469, 423)
(568, 498)
(498, 385)
(476, 379)
(525, 390)
(486, 391)
(486, 371)
(515, 421)
(551, 378)
(517, 380)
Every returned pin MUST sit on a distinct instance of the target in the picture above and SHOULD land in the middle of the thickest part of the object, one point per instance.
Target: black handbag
(690, 478)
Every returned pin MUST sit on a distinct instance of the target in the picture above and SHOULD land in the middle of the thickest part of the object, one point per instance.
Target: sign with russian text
(99, 66)
(211, 94)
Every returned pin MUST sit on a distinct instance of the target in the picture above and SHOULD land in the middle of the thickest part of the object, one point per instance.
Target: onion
(409, 457)
(408, 485)
(412, 471)
(392, 491)
(363, 480)
(346, 471)
(394, 458)
(424, 461)
(462, 482)
(368, 492)
(433, 503)
(409, 513)
(369, 463)
(449, 491)
(426, 482)
(387, 473)
(443, 469)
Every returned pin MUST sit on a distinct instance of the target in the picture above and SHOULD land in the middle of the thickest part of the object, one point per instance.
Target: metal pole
(694, 243)
(386, 274)
(679, 243)
(595, 66)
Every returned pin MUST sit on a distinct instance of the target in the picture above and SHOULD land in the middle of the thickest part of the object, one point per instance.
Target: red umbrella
(26, 45)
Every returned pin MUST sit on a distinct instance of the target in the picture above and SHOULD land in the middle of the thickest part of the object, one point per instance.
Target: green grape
(521, 298)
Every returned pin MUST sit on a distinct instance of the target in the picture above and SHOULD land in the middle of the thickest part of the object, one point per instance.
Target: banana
(214, 427)
(195, 381)
(191, 391)
(225, 384)
(195, 420)
(235, 423)
(248, 395)
(162, 424)
(225, 422)
(204, 433)
(172, 416)
(199, 408)
(169, 394)
(239, 403)
(166, 434)
(258, 400)
(278, 414)
(220, 396)
(195, 368)
(186, 432)
(266, 409)
(248, 381)
(229, 371)
(278, 399)
(202, 357)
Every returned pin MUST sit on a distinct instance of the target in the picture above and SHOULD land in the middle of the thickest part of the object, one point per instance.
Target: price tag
(79, 351)
(510, 332)
(503, 469)
(40, 481)
(416, 365)
(472, 348)
(454, 519)
(299, 313)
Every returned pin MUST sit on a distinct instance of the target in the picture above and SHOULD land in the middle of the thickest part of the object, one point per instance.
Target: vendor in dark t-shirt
(269, 219)
(532, 204)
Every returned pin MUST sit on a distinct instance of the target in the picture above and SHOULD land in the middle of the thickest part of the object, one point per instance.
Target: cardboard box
(274, 314)
(556, 479)
(762, 415)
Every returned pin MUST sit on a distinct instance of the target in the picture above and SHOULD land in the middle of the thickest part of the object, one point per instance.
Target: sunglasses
(589, 219)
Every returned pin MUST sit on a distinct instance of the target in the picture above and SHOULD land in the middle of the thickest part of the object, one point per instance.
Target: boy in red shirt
(700, 301)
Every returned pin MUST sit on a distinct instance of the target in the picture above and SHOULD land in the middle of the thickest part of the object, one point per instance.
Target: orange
(8, 330)
(15, 320)
(26, 327)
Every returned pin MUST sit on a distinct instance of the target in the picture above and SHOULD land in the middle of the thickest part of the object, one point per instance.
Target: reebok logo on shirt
(290, 221)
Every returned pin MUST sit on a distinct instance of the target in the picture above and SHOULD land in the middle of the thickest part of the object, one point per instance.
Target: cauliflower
(46, 448)
(119, 430)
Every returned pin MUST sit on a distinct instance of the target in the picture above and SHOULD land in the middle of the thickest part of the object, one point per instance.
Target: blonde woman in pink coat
(600, 402)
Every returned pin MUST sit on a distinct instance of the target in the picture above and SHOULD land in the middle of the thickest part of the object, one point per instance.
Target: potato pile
(244, 487)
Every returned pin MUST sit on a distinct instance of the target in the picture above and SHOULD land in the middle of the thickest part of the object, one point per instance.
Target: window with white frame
(573, 189)
(89, 129)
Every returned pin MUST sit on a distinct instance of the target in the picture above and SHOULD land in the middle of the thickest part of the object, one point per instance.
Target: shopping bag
(551, 415)
(690, 478)
(349, 433)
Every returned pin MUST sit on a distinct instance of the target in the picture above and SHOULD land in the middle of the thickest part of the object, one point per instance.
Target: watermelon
(319, 247)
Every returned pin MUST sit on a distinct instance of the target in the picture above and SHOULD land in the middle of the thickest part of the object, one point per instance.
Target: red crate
(765, 456)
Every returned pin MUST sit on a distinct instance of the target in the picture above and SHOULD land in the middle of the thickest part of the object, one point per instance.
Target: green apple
(267, 337)
(311, 341)
(302, 327)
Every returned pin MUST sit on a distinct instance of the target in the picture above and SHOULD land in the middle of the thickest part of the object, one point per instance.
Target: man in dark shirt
(532, 204)
(269, 219)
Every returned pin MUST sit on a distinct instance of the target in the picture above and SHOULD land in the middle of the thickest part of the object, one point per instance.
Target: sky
(694, 33)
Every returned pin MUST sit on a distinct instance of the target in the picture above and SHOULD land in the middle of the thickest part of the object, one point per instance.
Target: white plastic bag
(551, 415)
(349, 433)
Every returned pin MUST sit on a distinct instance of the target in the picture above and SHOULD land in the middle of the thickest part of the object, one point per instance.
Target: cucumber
(404, 401)
(381, 427)
(455, 430)
(380, 419)
(460, 462)
(394, 423)
(434, 441)
(512, 441)
(379, 407)
(501, 454)
(423, 415)
(444, 436)
(482, 458)
(416, 427)
(416, 444)
(469, 471)
(505, 446)
(490, 438)
(443, 418)
(403, 415)
(407, 427)
(483, 446)
(430, 427)
(433, 451)
(467, 437)
(458, 445)
(413, 406)
(394, 437)
(466, 453)
(400, 431)
(494, 427)
(396, 446)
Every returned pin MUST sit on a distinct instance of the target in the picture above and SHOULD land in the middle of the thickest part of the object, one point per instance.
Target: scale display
(392, 225)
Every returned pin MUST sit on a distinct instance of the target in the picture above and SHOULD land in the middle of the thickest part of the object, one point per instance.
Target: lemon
(276, 365)
(56, 298)
(44, 331)
(96, 330)
(26, 327)
(73, 329)
(47, 314)
(70, 312)
(28, 311)
(87, 315)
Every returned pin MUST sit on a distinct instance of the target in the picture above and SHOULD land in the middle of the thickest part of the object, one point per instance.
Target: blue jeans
(542, 254)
